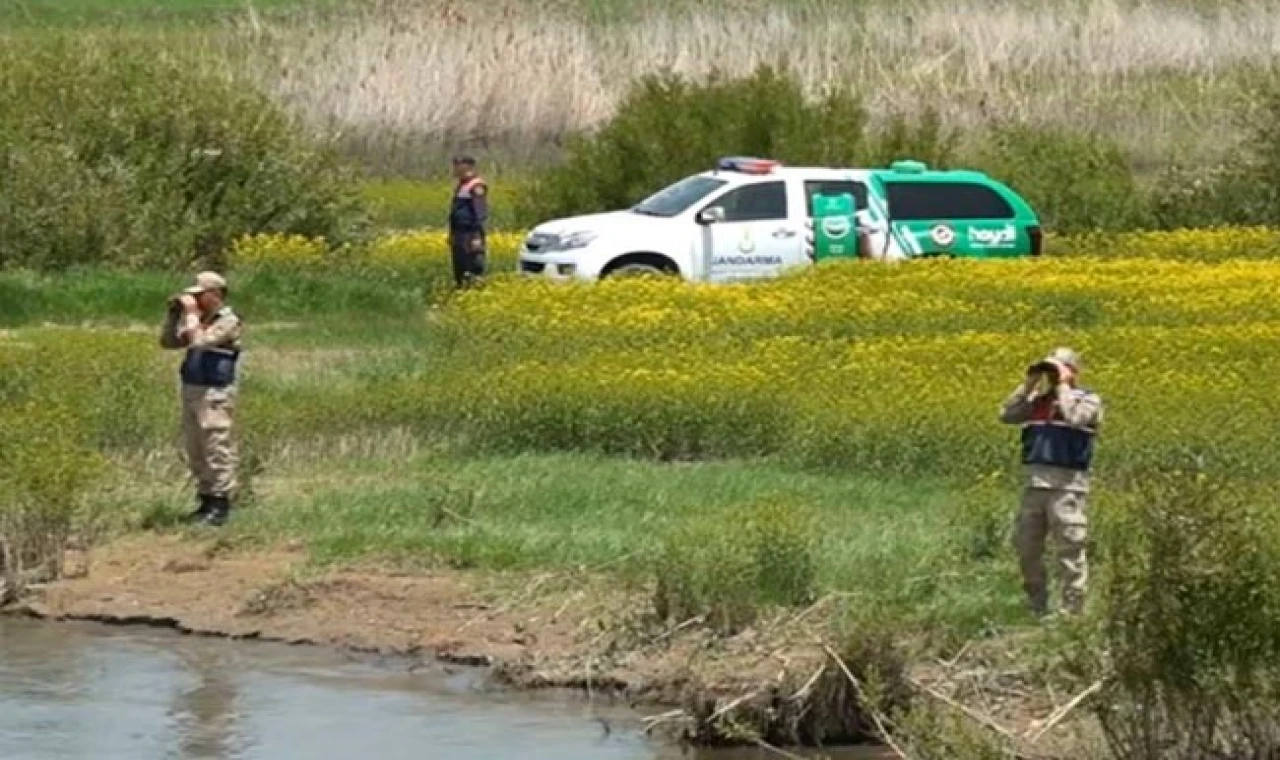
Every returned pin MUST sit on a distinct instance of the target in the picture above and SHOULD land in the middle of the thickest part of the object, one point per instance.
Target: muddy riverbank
(778, 679)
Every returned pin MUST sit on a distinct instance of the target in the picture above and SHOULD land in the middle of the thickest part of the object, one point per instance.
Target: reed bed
(405, 80)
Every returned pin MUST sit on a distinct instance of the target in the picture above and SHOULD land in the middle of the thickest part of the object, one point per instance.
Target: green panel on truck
(956, 213)
(835, 226)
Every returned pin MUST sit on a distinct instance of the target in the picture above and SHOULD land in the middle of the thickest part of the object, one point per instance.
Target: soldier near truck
(468, 216)
(1060, 421)
(200, 321)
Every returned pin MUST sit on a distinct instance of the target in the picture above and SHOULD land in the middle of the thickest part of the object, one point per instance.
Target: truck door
(756, 233)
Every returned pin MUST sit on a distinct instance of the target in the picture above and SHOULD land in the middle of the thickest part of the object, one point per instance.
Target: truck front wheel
(641, 265)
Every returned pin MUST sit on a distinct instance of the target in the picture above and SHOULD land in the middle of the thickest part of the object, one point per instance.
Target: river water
(83, 691)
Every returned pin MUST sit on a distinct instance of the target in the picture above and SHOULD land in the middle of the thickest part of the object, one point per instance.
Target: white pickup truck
(751, 218)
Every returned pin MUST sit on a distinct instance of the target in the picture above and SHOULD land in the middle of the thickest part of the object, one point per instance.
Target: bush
(1244, 190)
(1251, 185)
(667, 127)
(61, 402)
(117, 151)
(1190, 633)
(1073, 181)
(1206, 244)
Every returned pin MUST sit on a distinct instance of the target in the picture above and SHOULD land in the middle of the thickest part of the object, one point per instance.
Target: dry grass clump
(398, 76)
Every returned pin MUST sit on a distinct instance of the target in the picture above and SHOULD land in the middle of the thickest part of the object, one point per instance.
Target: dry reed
(395, 77)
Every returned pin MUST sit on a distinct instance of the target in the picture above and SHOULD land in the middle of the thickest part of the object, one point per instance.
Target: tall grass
(408, 80)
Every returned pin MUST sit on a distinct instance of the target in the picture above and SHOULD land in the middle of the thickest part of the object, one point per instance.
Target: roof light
(748, 165)
(909, 167)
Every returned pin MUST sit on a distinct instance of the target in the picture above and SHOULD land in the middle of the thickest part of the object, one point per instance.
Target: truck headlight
(572, 240)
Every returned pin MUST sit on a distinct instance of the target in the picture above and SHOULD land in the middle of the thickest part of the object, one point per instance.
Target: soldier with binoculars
(1059, 422)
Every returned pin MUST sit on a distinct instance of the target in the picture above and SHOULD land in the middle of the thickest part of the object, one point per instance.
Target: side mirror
(711, 215)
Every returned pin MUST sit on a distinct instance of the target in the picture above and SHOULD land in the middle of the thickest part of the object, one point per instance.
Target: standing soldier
(200, 321)
(468, 215)
(1059, 423)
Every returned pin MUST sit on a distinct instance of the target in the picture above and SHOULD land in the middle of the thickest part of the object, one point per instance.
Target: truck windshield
(674, 199)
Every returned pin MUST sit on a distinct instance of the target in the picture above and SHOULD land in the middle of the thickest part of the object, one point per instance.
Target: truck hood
(601, 224)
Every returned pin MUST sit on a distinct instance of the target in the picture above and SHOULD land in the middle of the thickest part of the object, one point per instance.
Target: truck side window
(765, 201)
(945, 200)
(834, 187)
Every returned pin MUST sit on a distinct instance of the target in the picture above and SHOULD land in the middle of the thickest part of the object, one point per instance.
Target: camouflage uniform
(468, 215)
(208, 394)
(1058, 431)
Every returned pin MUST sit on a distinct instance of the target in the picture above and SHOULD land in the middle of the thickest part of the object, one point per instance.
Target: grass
(403, 203)
(888, 543)
(109, 298)
(730, 449)
(523, 79)
(409, 83)
(477, 432)
(34, 14)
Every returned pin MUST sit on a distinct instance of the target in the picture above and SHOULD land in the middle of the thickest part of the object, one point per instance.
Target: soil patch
(776, 679)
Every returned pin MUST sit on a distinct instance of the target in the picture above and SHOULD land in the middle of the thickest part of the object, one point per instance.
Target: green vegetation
(730, 450)
(402, 85)
(668, 127)
(123, 153)
(410, 204)
(829, 434)
(1190, 637)
(38, 14)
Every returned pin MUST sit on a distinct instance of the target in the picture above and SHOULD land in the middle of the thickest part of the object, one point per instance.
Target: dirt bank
(543, 631)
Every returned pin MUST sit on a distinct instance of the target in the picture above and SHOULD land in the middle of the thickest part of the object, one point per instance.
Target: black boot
(219, 511)
(203, 510)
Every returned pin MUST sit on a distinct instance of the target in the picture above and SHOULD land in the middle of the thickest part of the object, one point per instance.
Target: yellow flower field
(897, 369)
(429, 248)
(399, 251)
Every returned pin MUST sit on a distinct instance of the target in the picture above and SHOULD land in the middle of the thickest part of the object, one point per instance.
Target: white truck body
(752, 236)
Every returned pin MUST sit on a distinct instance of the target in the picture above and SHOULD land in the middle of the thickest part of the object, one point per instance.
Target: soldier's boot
(1073, 601)
(1038, 603)
(219, 511)
(201, 511)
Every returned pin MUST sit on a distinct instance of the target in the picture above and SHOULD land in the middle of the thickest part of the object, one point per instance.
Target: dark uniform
(468, 215)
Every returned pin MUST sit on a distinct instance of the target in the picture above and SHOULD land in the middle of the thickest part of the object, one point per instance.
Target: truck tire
(637, 269)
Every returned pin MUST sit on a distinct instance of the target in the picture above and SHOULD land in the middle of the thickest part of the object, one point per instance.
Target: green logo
(836, 227)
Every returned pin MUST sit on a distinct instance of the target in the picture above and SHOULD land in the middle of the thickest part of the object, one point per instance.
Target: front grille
(532, 267)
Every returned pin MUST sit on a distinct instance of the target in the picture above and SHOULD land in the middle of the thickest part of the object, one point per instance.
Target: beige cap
(207, 281)
(1065, 356)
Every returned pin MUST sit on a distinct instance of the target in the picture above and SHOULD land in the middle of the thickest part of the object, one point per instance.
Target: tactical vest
(462, 214)
(212, 366)
(1048, 439)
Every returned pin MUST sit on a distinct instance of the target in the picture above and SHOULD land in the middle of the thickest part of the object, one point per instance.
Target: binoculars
(1044, 367)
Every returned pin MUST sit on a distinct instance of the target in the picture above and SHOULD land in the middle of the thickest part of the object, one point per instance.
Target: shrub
(1190, 631)
(1253, 187)
(667, 127)
(117, 151)
(59, 411)
(1208, 244)
(1073, 181)
(48, 461)
(1244, 190)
